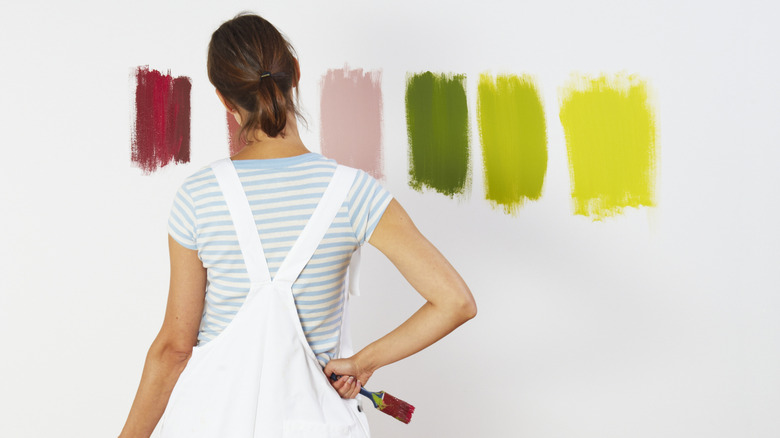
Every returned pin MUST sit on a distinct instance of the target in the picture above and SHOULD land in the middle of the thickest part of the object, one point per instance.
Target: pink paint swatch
(351, 118)
(162, 120)
(236, 144)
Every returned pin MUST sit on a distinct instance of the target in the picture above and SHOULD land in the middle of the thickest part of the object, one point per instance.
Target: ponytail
(272, 114)
(254, 67)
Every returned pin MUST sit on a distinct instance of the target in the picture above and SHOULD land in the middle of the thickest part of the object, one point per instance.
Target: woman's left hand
(347, 386)
(352, 376)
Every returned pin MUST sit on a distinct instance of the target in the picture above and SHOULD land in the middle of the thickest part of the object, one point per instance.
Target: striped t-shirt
(283, 193)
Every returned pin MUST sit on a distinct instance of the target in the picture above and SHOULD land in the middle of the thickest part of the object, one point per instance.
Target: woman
(255, 73)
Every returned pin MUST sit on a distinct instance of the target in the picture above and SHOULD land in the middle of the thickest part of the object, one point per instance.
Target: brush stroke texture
(162, 120)
(235, 143)
(438, 129)
(514, 139)
(610, 132)
(351, 118)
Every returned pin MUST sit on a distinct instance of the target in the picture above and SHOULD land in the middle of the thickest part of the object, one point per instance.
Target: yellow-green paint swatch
(611, 141)
(514, 139)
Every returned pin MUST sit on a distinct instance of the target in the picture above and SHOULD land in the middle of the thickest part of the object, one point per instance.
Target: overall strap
(244, 222)
(318, 225)
(345, 338)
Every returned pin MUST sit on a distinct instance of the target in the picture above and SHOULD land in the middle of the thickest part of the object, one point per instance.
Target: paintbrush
(394, 407)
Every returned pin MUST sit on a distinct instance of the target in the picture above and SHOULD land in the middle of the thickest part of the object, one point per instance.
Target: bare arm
(172, 347)
(449, 302)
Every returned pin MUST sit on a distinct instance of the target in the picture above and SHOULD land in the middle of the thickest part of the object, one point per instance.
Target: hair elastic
(265, 74)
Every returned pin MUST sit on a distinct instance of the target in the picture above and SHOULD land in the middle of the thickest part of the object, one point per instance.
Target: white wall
(662, 322)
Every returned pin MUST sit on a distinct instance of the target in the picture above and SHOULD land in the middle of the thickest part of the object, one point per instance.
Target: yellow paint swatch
(514, 139)
(611, 141)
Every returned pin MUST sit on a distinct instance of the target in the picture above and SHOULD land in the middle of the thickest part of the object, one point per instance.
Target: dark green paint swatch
(438, 128)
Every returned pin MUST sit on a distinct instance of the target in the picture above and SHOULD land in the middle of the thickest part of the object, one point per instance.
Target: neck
(287, 144)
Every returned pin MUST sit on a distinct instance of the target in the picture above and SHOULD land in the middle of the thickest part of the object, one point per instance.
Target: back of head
(254, 66)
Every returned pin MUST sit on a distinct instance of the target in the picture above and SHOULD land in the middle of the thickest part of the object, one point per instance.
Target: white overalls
(260, 377)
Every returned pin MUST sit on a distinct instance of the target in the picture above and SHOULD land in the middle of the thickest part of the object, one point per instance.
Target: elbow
(173, 353)
(468, 309)
(465, 308)
(177, 354)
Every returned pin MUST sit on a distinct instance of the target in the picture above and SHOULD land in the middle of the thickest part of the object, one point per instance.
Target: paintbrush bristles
(396, 408)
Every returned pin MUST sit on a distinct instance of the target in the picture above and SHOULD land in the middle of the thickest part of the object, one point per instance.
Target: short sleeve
(181, 221)
(367, 204)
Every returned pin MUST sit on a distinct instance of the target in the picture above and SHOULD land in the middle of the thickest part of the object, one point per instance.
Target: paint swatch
(438, 129)
(514, 139)
(162, 119)
(611, 141)
(351, 117)
(235, 143)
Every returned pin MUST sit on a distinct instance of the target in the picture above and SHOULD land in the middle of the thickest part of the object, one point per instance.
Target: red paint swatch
(162, 119)
(235, 142)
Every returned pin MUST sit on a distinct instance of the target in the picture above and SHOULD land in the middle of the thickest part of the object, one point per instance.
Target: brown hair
(241, 54)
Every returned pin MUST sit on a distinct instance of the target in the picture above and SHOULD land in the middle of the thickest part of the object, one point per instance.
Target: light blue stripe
(322, 283)
(341, 267)
(324, 341)
(215, 223)
(250, 188)
(215, 311)
(339, 297)
(274, 220)
(219, 203)
(214, 192)
(220, 252)
(181, 225)
(295, 197)
(220, 281)
(227, 262)
(222, 297)
(321, 309)
(336, 235)
(323, 264)
(224, 243)
(284, 209)
(283, 179)
(264, 224)
(210, 214)
(362, 202)
(324, 356)
(331, 289)
(183, 214)
(286, 249)
(378, 214)
(181, 240)
(298, 228)
(244, 289)
(221, 318)
(202, 175)
(221, 270)
(326, 254)
(218, 234)
(280, 239)
(275, 163)
(315, 318)
(218, 292)
(282, 249)
(324, 328)
(334, 244)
